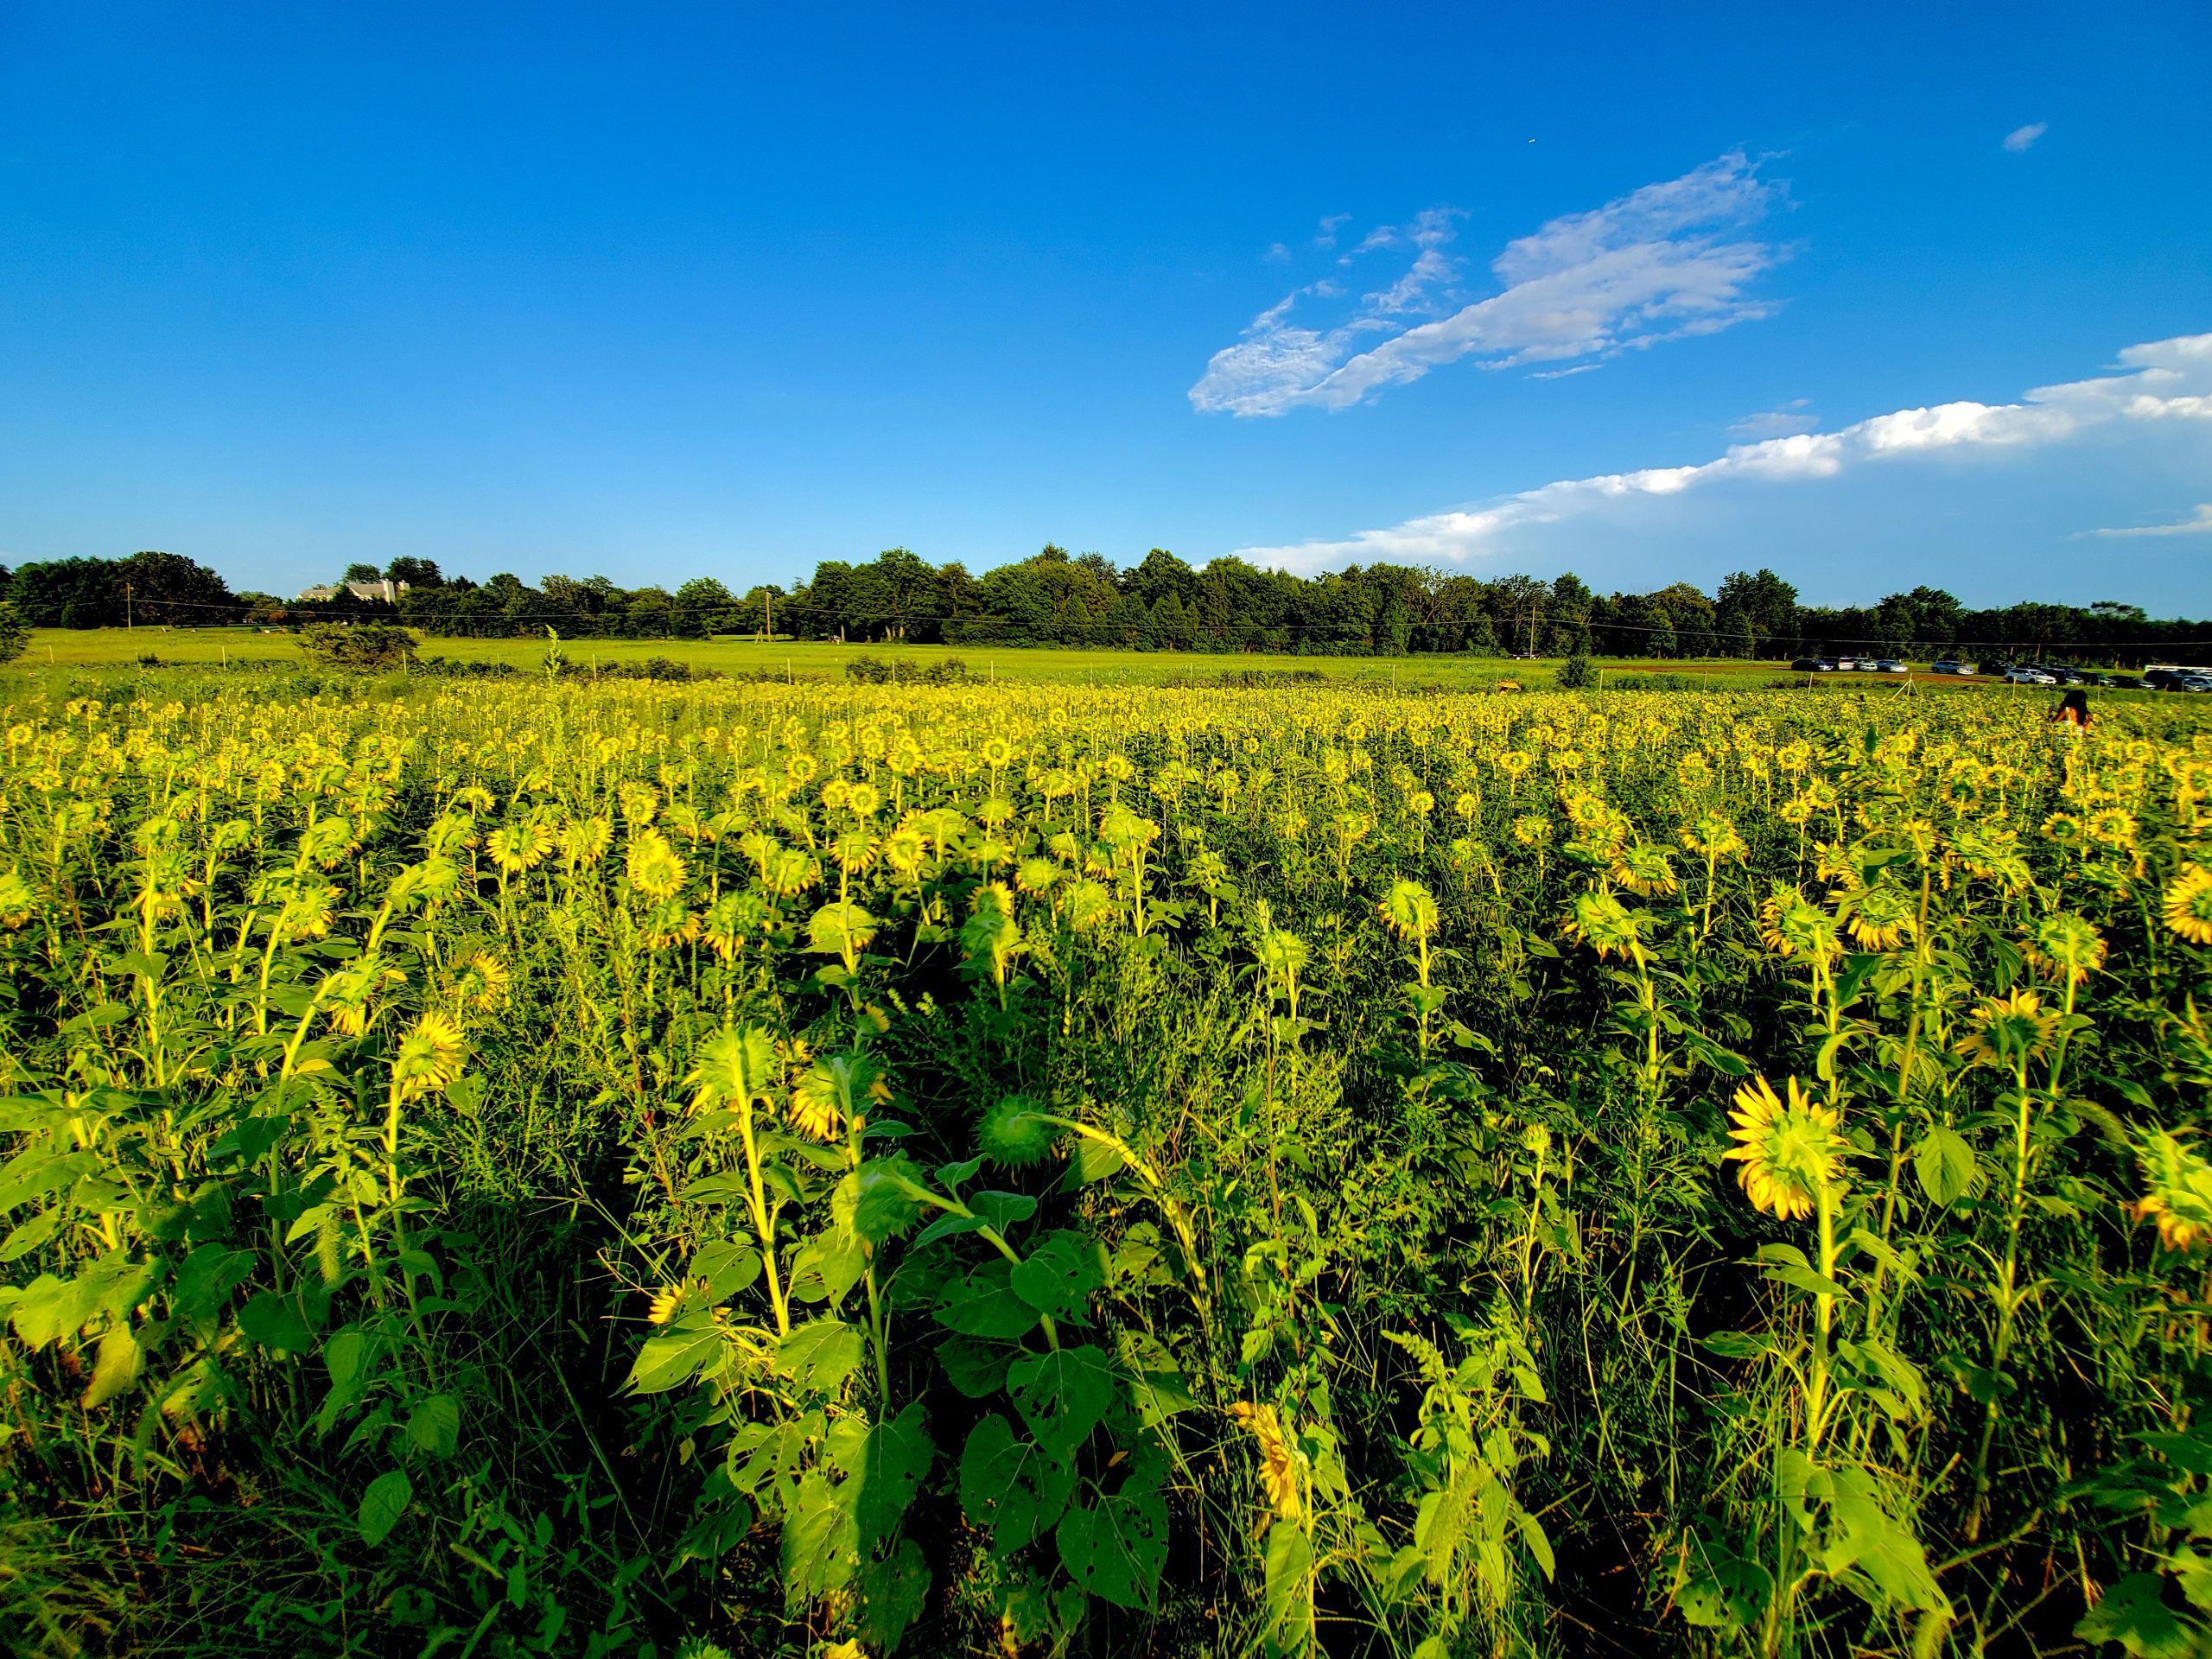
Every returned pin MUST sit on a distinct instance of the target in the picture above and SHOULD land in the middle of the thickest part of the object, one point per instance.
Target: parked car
(2194, 682)
(1811, 665)
(1887, 665)
(2028, 677)
(2126, 683)
(1947, 666)
(1995, 668)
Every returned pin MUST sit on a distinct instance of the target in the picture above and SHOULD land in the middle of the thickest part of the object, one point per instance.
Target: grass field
(815, 659)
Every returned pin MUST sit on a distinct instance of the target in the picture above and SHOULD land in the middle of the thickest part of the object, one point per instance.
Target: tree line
(1158, 603)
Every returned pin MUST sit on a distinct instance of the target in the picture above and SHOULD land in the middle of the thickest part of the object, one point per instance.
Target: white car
(2028, 677)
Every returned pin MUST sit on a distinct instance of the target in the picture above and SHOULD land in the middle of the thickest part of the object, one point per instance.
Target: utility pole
(128, 626)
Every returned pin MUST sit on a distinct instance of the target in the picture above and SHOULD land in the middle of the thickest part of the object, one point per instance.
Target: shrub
(14, 637)
(1575, 674)
(868, 670)
(359, 648)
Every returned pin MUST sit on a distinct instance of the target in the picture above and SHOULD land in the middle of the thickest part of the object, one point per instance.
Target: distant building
(384, 588)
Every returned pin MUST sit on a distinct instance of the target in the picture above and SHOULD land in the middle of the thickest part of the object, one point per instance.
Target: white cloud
(1329, 226)
(2020, 138)
(2198, 523)
(1278, 253)
(1653, 266)
(2167, 379)
(1783, 423)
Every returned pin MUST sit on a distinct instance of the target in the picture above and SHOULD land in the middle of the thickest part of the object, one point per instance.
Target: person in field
(2072, 715)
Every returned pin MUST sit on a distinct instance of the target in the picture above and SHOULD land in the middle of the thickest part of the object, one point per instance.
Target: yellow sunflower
(1880, 918)
(429, 1058)
(2187, 904)
(1790, 1150)
(2178, 1195)
(2008, 1030)
(2067, 947)
(1279, 1458)
(655, 870)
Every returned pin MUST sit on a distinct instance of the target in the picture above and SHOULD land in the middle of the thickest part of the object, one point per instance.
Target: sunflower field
(715, 1168)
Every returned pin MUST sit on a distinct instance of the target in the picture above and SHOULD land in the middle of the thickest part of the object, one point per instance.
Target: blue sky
(724, 291)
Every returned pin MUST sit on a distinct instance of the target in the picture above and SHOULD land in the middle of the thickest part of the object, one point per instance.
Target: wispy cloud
(2166, 380)
(1783, 423)
(2198, 523)
(2020, 138)
(1658, 264)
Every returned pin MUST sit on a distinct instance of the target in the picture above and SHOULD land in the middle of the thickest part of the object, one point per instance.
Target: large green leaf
(883, 1473)
(1062, 1395)
(821, 1544)
(821, 1354)
(687, 1348)
(984, 1305)
(1059, 1274)
(2134, 1613)
(383, 1505)
(1944, 1166)
(275, 1321)
(1117, 1548)
(434, 1425)
(894, 1591)
(1012, 1484)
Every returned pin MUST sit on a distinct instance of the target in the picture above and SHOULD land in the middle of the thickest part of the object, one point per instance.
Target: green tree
(14, 637)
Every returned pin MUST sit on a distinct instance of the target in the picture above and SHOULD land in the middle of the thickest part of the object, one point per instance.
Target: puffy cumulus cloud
(2163, 380)
(1658, 264)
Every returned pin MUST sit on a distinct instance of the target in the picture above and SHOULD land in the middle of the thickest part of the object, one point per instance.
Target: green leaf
(1059, 1274)
(894, 1591)
(728, 1266)
(275, 1321)
(821, 1544)
(382, 1505)
(885, 1473)
(116, 1369)
(674, 1357)
(434, 1425)
(1012, 1484)
(875, 1200)
(984, 1305)
(1116, 1549)
(975, 1367)
(33, 1233)
(1719, 1590)
(1944, 1166)
(1289, 1569)
(828, 1267)
(2134, 1612)
(1062, 1395)
(820, 1355)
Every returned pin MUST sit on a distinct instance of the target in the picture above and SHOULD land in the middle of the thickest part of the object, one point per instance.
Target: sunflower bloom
(2187, 904)
(1790, 1150)
(1279, 1458)
(2067, 947)
(484, 981)
(2008, 1030)
(2178, 1195)
(1880, 918)
(429, 1058)
(1410, 911)
(655, 870)
(517, 848)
